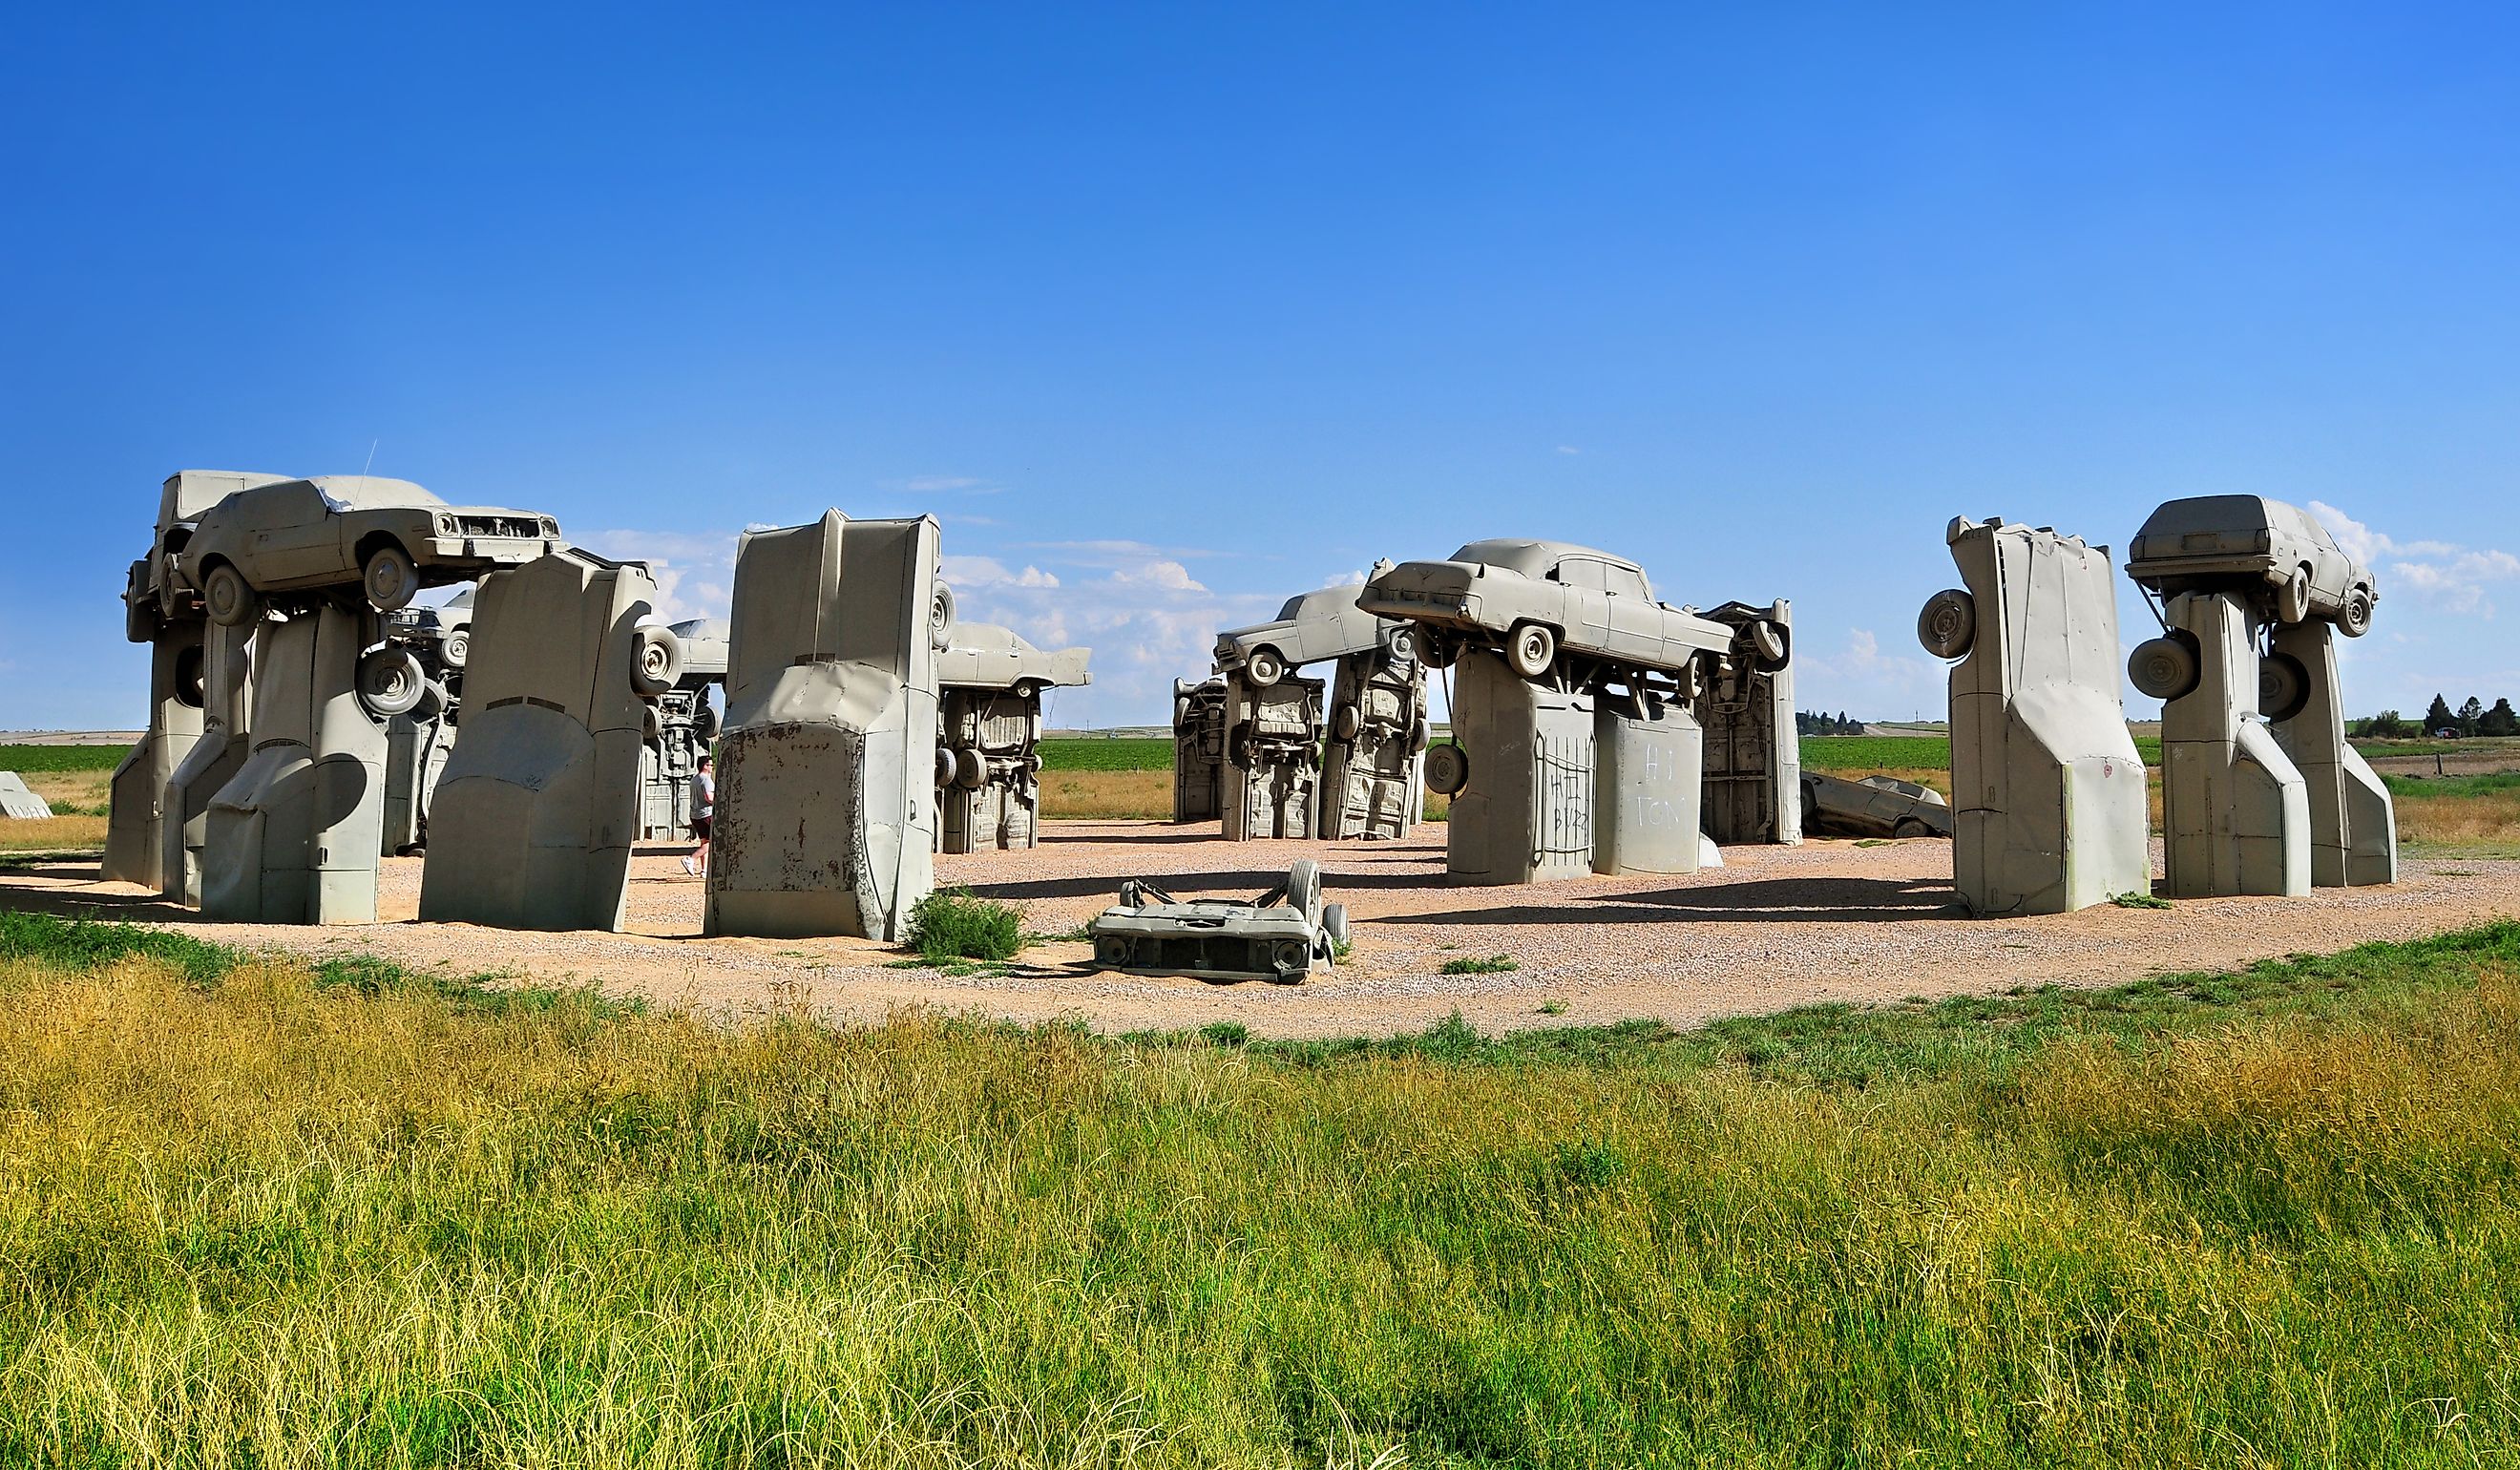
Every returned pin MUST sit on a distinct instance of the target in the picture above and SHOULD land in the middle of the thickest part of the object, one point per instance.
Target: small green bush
(1494, 965)
(1225, 1033)
(2140, 901)
(952, 924)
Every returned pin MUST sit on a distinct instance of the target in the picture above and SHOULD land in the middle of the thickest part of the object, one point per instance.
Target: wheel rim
(225, 594)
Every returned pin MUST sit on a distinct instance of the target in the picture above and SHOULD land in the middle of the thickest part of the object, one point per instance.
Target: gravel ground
(1776, 927)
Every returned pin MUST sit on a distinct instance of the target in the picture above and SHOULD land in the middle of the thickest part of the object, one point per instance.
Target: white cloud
(694, 573)
(2444, 575)
(1862, 679)
(1568, 449)
(1171, 576)
(988, 571)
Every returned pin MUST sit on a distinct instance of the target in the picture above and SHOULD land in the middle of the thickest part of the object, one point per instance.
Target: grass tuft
(2137, 899)
(1494, 965)
(952, 924)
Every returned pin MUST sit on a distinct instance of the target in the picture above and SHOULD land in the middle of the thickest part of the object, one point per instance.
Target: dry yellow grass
(85, 789)
(57, 834)
(2492, 819)
(1107, 793)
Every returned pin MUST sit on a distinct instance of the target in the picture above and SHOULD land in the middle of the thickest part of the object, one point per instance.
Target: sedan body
(1599, 605)
(2209, 541)
(310, 534)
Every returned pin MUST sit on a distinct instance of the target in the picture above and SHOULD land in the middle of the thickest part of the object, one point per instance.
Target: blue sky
(1168, 312)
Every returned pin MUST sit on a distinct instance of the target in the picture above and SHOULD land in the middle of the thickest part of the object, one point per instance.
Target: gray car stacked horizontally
(2204, 541)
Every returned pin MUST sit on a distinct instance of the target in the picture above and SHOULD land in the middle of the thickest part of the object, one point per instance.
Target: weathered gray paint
(226, 740)
(989, 728)
(135, 836)
(1272, 752)
(2353, 821)
(1374, 772)
(1198, 749)
(2236, 808)
(2049, 807)
(826, 814)
(1753, 747)
(1649, 776)
(19, 804)
(292, 837)
(1525, 814)
(534, 817)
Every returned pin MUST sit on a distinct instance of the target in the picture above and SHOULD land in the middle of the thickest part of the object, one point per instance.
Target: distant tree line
(2470, 719)
(1807, 722)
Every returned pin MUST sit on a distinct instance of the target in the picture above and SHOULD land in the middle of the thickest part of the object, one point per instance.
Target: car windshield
(364, 492)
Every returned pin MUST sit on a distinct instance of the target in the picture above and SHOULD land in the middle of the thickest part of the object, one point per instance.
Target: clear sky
(1170, 311)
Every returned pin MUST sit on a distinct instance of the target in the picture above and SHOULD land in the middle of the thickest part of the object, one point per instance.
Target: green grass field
(25, 759)
(252, 1213)
(1134, 753)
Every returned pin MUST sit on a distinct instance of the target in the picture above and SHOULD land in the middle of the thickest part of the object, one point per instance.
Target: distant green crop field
(1132, 754)
(1908, 752)
(25, 757)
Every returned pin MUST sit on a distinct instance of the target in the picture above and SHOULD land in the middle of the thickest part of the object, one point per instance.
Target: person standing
(704, 815)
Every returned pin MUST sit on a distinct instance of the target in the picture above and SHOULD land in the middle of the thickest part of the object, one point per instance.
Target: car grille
(499, 525)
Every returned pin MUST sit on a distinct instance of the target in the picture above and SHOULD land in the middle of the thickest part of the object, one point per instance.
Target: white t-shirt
(704, 794)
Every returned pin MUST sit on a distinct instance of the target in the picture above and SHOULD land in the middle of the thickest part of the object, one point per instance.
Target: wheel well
(375, 542)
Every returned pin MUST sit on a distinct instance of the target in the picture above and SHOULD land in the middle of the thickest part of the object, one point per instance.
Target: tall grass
(265, 1220)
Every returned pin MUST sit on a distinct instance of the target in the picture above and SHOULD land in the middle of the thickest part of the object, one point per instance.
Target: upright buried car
(1310, 627)
(389, 537)
(1538, 599)
(2207, 542)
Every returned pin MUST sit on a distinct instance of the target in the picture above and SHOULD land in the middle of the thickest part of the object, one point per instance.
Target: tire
(1264, 668)
(1404, 645)
(1420, 735)
(455, 650)
(2283, 687)
(228, 598)
(655, 661)
(2164, 668)
(1304, 890)
(971, 770)
(1346, 724)
(652, 728)
(945, 767)
(1769, 645)
(190, 689)
(2354, 619)
(390, 681)
(1947, 625)
(1811, 812)
(433, 700)
(1909, 827)
(1334, 923)
(1437, 650)
(390, 579)
(2292, 600)
(1531, 649)
(140, 621)
(1448, 770)
(170, 588)
(940, 618)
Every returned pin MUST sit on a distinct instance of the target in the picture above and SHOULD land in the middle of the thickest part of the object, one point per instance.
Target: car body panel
(307, 534)
(1601, 606)
(1874, 806)
(987, 657)
(1313, 626)
(2209, 540)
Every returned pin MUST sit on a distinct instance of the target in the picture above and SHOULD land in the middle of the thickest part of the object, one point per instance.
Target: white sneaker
(691, 867)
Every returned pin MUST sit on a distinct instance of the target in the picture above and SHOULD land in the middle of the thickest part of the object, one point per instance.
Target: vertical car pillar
(2235, 806)
(1272, 751)
(226, 740)
(135, 829)
(2050, 811)
(1198, 750)
(2352, 821)
(825, 818)
(1648, 780)
(1524, 814)
(292, 837)
(1754, 766)
(534, 815)
(1374, 775)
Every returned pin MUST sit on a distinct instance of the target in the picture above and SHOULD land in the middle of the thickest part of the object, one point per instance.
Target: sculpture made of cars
(989, 720)
(1281, 935)
(388, 537)
(2222, 543)
(1312, 627)
(1873, 806)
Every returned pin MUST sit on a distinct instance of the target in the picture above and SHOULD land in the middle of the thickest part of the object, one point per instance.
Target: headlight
(446, 526)
(551, 527)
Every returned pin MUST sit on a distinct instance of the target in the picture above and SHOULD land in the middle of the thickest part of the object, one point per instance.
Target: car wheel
(1436, 651)
(1448, 770)
(1948, 627)
(1909, 827)
(2292, 600)
(1264, 668)
(1419, 737)
(940, 618)
(944, 766)
(1769, 645)
(1403, 646)
(1531, 649)
(1811, 812)
(657, 661)
(228, 598)
(390, 681)
(2165, 668)
(1304, 889)
(390, 579)
(454, 648)
(2283, 687)
(2354, 619)
(971, 770)
(190, 690)
(1334, 923)
(1346, 724)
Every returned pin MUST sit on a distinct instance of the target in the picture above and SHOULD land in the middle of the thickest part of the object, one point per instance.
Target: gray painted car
(1534, 600)
(1310, 627)
(1282, 936)
(2203, 543)
(389, 537)
(1876, 806)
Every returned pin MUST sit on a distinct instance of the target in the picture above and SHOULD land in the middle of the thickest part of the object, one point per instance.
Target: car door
(1589, 626)
(296, 538)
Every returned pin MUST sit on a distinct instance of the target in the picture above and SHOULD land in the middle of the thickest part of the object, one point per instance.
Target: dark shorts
(700, 826)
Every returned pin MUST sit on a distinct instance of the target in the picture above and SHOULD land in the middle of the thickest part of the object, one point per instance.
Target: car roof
(2222, 512)
(1535, 558)
(370, 492)
(1341, 597)
(990, 637)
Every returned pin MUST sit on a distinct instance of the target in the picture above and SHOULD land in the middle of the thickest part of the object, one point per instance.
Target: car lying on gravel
(1876, 806)
(1536, 600)
(1282, 936)
(1313, 627)
(388, 537)
(2207, 542)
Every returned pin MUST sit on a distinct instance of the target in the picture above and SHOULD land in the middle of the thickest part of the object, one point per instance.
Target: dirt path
(1777, 928)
